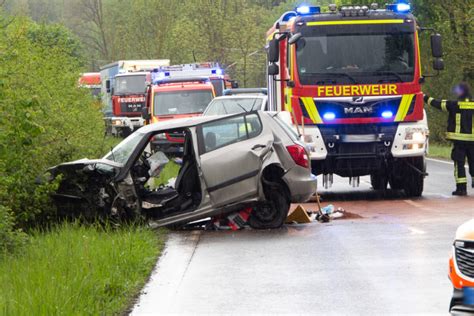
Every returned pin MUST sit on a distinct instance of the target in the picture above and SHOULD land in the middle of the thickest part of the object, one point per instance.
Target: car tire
(273, 212)
(414, 181)
(379, 182)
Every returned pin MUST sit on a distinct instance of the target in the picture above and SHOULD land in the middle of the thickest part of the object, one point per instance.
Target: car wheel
(379, 182)
(273, 212)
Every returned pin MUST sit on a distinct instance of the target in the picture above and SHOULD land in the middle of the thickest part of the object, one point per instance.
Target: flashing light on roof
(400, 7)
(329, 116)
(387, 114)
(217, 71)
(308, 10)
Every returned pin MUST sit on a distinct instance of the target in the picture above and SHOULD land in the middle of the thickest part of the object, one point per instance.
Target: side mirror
(234, 84)
(437, 45)
(273, 51)
(293, 39)
(107, 85)
(145, 114)
(273, 70)
(438, 64)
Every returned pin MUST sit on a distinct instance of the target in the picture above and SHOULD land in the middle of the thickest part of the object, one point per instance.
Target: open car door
(232, 151)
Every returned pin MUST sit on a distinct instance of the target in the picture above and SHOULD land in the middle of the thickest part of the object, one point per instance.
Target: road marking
(416, 231)
(442, 161)
(417, 205)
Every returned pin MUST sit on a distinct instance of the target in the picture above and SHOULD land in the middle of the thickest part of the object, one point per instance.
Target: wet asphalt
(390, 257)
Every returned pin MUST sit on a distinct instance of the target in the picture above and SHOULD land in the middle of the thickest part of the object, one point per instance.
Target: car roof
(242, 96)
(181, 123)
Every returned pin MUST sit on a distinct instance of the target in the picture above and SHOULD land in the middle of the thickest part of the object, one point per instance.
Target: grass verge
(442, 151)
(78, 270)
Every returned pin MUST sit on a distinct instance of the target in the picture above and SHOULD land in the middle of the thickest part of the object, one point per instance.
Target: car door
(232, 151)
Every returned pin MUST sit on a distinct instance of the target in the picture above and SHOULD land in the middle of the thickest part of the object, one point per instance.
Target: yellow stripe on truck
(351, 22)
(404, 107)
(310, 107)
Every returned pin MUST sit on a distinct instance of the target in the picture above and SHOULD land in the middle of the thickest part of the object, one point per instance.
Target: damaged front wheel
(273, 212)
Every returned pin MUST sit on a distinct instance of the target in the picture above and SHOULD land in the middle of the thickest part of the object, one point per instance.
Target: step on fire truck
(123, 93)
(182, 91)
(352, 78)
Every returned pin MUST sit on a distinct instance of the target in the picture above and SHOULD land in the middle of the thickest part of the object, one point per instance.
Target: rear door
(231, 152)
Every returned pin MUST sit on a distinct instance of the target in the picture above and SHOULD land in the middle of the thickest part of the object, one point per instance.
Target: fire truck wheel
(396, 183)
(273, 212)
(414, 180)
(379, 182)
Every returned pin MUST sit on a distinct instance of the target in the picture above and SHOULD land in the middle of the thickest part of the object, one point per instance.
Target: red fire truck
(182, 91)
(91, 81)
(352, 79)
(123, 93)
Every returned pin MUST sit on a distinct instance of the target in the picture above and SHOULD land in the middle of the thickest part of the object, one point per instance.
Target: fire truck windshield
(349, 54)
(181, 102)
(132, 84)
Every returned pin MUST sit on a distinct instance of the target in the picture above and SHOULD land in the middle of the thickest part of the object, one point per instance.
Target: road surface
(392, 260)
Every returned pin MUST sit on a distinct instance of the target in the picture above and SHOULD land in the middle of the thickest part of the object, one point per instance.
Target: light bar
(329, 116)
(399, 7)
(308, 10)
(217, 71)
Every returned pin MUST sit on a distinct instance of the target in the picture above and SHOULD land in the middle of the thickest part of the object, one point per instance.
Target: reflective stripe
(404, 107)
(458, 123)
(444, 105)
(460, 136)
(355, 22)
(466, 105)
(310, 107)
(461, 180)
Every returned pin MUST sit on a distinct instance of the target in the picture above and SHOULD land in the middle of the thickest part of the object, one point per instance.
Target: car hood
(466, 231)
(81, 164)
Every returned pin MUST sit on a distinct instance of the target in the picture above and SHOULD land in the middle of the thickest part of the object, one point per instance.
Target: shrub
(10, 238)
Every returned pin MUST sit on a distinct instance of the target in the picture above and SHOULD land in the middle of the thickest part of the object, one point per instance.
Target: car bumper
(457, 305)
(302, 184)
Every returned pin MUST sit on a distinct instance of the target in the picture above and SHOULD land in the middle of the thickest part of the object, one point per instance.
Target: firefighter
(460, 132)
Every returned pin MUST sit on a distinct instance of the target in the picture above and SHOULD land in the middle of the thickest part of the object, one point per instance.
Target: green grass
(77, 270)
(442, 151)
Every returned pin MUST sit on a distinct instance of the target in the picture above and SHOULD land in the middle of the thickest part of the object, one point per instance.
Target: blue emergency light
(217, 71)
(308, 10)
(387, 114)
(329, 116)
(399, 7)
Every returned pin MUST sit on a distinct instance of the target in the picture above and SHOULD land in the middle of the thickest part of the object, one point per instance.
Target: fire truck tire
(273, 212)
(414, 180)
(379, 182)
(396, 183)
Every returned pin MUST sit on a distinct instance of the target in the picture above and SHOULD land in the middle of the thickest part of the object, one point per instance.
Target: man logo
(359, 110)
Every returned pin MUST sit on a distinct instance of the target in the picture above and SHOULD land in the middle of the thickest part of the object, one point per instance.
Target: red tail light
(298, 153)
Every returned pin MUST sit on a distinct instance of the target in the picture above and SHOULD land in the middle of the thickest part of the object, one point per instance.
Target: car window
(122, 152)
(228, 131)
(225, 106)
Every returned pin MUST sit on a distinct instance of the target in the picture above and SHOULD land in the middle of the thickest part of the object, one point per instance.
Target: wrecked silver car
(227, 163)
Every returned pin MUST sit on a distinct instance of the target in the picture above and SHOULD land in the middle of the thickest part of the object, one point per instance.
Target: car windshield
(130, 84)
(224, 106)
(356, 54)
(181, 102)
(122, 152)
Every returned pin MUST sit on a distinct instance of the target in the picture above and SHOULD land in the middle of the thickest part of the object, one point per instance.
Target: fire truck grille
(465, 259)
(131, 107)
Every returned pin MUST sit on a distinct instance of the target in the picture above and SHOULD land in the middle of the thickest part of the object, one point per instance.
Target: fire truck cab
(352, 77)
(123, 93)
(91, 81)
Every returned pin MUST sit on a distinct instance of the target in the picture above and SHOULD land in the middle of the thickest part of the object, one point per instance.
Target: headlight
(415, 133)
(117, 122)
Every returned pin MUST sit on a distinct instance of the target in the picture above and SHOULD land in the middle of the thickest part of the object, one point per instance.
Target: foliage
(45, 118)
(11, 239)
(442, 151)
(77, 270)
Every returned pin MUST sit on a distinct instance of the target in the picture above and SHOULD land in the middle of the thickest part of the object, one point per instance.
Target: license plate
(468, 297)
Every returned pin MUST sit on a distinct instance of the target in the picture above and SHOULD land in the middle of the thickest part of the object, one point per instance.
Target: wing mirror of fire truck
(294, 38)
(273, 69)
(145, 114)
(273, 51)
(107, 85)
(437, 45)
(438, 64)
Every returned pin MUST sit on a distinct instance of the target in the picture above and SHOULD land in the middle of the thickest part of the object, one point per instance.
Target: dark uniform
(461, 132)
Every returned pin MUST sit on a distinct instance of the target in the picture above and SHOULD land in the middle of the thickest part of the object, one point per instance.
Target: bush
(45, 117)
(10, 238)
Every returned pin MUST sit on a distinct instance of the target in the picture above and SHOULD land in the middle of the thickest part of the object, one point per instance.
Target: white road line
(442, 161)
(416, 231)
